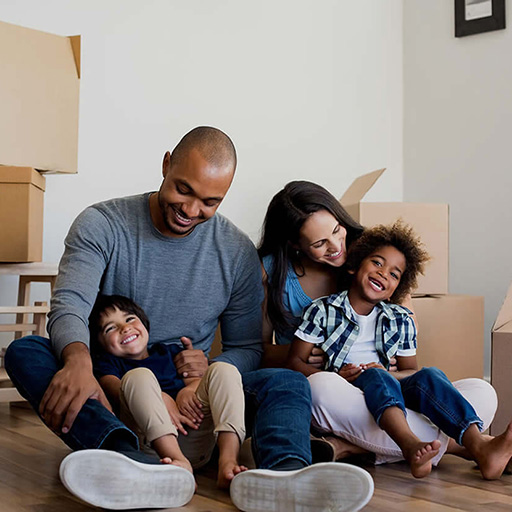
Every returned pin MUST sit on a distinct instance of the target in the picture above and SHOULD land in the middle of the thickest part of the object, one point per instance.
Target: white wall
(307, 89)
(457, 147)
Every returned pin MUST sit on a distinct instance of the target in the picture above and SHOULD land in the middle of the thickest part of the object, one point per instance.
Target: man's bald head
(211, 143)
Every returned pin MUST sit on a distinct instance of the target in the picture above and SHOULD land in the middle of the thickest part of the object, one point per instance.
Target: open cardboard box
(501, 364)
(21, 214)
(430, 222)
(39, 87)
(451, 334)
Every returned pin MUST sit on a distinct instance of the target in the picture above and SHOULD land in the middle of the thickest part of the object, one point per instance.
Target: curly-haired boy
(362, 329)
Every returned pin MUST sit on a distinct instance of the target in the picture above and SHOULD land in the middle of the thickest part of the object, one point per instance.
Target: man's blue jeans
(278, 403)
(427, 391)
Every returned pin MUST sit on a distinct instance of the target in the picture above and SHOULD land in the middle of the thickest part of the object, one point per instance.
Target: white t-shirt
(363, 350)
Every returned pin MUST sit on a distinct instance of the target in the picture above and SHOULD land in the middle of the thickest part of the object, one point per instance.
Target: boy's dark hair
(403, 238)
(104, 302)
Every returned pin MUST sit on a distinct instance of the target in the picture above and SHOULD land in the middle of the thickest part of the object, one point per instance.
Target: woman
(306, 234)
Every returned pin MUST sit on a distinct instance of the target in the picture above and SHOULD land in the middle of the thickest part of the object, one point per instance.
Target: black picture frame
(465, 27)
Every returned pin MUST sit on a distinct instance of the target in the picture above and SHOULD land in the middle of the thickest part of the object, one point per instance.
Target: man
(189, 269)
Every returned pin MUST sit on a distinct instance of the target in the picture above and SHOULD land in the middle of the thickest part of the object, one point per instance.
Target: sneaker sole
(107, 479)
(325, 487)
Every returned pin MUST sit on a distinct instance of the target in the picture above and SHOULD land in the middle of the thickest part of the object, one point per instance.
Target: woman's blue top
(294, 300)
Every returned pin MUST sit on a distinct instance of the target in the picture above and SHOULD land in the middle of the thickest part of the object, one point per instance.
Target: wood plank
(30, 456)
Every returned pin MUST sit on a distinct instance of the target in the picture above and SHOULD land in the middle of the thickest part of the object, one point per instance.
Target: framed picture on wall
(476, 16)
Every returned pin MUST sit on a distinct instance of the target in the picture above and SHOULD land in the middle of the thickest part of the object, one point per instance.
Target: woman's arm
(276, 356)
(112, 387)
(298, 357)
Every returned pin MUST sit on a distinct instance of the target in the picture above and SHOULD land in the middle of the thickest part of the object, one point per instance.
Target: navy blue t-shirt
(159, 362)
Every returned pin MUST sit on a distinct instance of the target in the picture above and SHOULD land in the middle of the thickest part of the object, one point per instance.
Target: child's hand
(189, 405)
(350, 372)
(177, 418)
(372, 365)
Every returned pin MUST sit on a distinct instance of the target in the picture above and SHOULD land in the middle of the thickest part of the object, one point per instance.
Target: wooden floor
(30, 457)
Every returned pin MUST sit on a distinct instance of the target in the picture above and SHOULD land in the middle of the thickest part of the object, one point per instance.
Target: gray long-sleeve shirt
(185, 285)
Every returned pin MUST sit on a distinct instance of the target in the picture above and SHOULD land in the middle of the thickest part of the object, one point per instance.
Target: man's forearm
(244, 359)
(77, 353)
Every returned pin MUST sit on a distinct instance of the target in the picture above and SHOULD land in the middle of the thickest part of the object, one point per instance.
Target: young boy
(144, 387)
(360, 330)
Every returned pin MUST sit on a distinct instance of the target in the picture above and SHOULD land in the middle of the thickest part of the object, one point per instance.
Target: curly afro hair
(403, 238)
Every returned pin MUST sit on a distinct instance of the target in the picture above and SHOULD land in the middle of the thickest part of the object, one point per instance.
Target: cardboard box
(501, 365)
(21, 214)
(430, 222)
(39, 87)
(451, 334)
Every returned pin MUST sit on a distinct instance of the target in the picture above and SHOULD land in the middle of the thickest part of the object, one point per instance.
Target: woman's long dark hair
(285, 216)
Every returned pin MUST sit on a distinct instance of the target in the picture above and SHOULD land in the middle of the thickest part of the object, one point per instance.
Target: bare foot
(228, 469)
(182, 463)
(495, 454)
(343, 448)
(420, 455)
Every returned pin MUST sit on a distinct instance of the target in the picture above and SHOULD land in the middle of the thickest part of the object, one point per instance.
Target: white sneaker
(108, 479)
(324, 487)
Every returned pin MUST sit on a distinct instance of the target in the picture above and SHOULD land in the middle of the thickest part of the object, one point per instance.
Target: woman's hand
(317, 358)
(177, 418)
(189, 405)
(392, 365)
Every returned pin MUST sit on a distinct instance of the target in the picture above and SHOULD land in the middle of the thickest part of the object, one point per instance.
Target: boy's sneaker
(326, 487)
(108, 479)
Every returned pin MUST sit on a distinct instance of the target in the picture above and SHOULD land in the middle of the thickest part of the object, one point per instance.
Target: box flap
(10, 174)
(360, 187)
(75, 46)
(505, 314)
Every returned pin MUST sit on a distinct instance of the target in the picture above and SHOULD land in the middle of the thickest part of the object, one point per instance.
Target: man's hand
(350, 372)
(190, 363)
(317, 358)
(189, 405)
(69, 389)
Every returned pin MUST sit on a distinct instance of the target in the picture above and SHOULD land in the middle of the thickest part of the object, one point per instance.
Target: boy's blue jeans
(428, 391)
(278, 405)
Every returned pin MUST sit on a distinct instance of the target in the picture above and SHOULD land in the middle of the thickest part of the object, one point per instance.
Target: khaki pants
(220, 391)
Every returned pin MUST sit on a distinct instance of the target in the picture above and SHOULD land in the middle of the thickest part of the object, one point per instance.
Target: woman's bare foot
(228, 469)
(343, 448)
(494, 455)
(420, 455)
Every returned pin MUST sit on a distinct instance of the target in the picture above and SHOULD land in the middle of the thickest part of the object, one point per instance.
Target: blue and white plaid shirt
(329, 322)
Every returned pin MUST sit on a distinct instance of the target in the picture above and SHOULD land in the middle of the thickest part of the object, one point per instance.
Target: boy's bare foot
(494, 456)
(182, 463)
(228, 469)
(420, 455)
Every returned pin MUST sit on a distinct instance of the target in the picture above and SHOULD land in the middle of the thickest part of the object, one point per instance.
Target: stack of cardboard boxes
(451, 327)
(39, 88)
